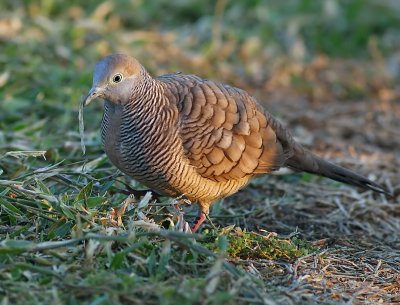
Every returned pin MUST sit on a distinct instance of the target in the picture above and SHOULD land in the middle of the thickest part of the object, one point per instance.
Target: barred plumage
(183, 135)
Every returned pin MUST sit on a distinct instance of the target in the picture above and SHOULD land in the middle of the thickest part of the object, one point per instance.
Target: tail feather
(308, 162)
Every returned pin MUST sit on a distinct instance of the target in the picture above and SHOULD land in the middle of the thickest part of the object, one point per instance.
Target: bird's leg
(181, 225)
(201, 216)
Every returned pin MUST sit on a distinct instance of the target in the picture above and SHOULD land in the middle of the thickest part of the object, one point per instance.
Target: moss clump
(251, 245)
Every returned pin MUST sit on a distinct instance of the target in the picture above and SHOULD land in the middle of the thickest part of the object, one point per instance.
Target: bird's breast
(123, 140)
(142, 148)
(111, 132)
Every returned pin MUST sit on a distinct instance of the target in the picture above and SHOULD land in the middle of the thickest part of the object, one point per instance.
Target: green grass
(60, 248)
(57, 243)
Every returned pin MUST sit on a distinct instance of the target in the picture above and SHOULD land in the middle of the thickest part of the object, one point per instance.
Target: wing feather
(225, 133)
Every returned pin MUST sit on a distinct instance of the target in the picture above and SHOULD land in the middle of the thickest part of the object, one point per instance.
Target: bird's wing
(225, 133)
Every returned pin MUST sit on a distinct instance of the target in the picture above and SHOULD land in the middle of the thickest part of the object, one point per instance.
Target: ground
(328, 70)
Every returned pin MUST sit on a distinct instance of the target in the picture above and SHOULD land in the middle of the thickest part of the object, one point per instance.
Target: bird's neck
(148, 94)
(149, 105)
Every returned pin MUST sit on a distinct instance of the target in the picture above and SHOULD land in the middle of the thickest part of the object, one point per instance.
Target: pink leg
(198, 221)
(201, 216)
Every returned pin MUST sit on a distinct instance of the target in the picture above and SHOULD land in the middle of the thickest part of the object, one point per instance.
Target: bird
(182, 135)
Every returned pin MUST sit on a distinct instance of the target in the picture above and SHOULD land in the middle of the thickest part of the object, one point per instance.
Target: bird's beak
(93, 93)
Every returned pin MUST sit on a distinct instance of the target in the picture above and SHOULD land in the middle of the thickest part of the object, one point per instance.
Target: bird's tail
(306, 161)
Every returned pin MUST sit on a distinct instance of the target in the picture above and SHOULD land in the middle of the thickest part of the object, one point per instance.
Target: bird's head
(114, 79)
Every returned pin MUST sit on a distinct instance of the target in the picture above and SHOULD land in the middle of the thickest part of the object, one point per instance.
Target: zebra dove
(183, 135)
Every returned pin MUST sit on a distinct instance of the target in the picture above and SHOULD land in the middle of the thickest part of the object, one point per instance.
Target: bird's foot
(181, 225)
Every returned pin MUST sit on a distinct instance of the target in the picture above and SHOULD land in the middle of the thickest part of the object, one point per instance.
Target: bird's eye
(117, 78)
